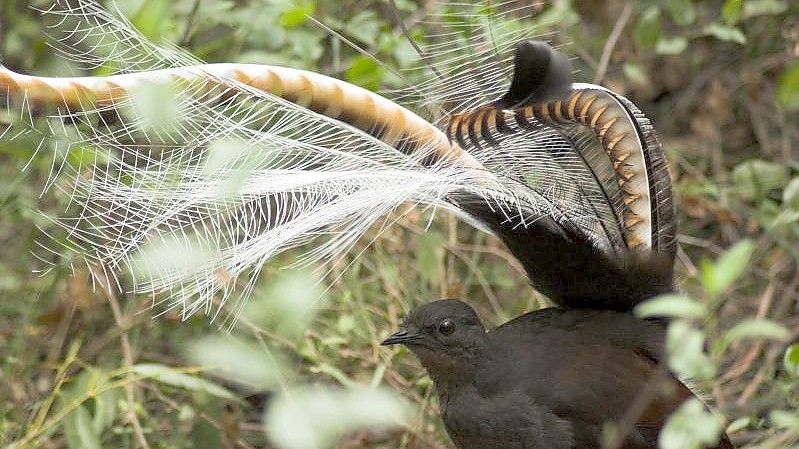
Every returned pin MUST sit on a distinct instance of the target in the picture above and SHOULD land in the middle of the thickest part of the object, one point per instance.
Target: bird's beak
(402, 336)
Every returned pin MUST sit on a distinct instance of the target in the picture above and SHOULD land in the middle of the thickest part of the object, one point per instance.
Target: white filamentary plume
(216, 177)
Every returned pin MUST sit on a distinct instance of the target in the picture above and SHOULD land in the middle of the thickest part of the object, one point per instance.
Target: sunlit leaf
(229, 165)
(790, 361)
(755, 178)
(151, 18)
(105, 409)
(790, 195)
(752, 8)
(739, 424)
(757, 328)
(690, 427)
(314, 418)
(635, 73)
(682, 11)
(241, 362)
(172, 256)
(783, 419)
(298, 14)
(725, 33)
(685, 347)
(170, 376)
(788, 88)
(731, 11)
(718, 276)
(365, 72)
(671, 45)
(678, 306)
(429, 256)
(364, 26)
(79, 430)
(287, 304)
(158, 107)
(647, 31)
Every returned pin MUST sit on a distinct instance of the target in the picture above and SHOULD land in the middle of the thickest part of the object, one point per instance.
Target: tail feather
(260, 159)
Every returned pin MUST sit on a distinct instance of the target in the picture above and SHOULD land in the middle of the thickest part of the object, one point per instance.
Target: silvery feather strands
(253, 160)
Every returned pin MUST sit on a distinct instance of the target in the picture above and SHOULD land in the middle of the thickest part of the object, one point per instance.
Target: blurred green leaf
(731, 11)
(718, 276)
(682, 11)
(739, 424)
(170, 376)
(365, 72)
(152, 18)
(783, 419)
(647, 31)
(238, 361)
(757, 328)
(230, 164)
(671, 45)
(679, 306)
(690, 427)
(171, 256)
(635, 73)
(287, 304)
(105, 407)
(790, 195)
(788, 88)
(790, 361)
(79, 431)
(561, 13)
(365, 27)
(685, 346)
(157, 107)
(755, 178)
(725, 33)
(297, 14)
(429, 256)
(752, 8)
(314, 418)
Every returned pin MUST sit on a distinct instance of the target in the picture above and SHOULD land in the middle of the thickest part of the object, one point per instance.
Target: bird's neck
(451, 374)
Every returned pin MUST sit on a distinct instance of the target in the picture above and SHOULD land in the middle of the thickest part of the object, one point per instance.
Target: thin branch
(424, 56)
(127, 357)
(610, 44)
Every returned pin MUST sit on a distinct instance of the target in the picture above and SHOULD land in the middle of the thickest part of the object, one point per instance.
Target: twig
(746, 361)
(190, 23)
(424, 56)
(127, 357)
(621, 22)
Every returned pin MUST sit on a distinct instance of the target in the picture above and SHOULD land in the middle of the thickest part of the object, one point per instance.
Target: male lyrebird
(258, 159)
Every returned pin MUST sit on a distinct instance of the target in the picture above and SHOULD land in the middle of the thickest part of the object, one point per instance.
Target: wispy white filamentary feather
(190, 164)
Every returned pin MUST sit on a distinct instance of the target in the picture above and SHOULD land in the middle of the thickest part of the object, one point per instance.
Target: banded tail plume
(260, 159)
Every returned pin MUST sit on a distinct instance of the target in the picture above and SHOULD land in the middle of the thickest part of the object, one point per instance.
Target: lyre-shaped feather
(570, 176)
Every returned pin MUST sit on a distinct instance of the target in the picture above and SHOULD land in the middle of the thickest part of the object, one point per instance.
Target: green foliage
(315, 418)
(175, 378)
(718, 276)
(790, 361)
(788, 90)
(721, 84)
(671, 306)
(691, 427)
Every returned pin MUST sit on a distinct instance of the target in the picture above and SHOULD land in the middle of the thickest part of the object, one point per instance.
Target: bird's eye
(446, 326)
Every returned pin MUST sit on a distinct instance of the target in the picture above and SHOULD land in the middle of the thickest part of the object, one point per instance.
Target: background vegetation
(82, 367)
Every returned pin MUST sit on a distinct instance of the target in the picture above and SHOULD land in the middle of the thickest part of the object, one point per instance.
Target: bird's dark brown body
(546, 380)
(556, 378)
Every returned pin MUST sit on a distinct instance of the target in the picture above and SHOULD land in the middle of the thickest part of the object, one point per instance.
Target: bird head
(445, 335)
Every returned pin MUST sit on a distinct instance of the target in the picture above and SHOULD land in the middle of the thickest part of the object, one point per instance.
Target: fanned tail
(255, 159)
(613, 246)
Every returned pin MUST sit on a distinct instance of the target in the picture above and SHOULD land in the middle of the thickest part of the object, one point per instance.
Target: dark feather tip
(540, 74)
